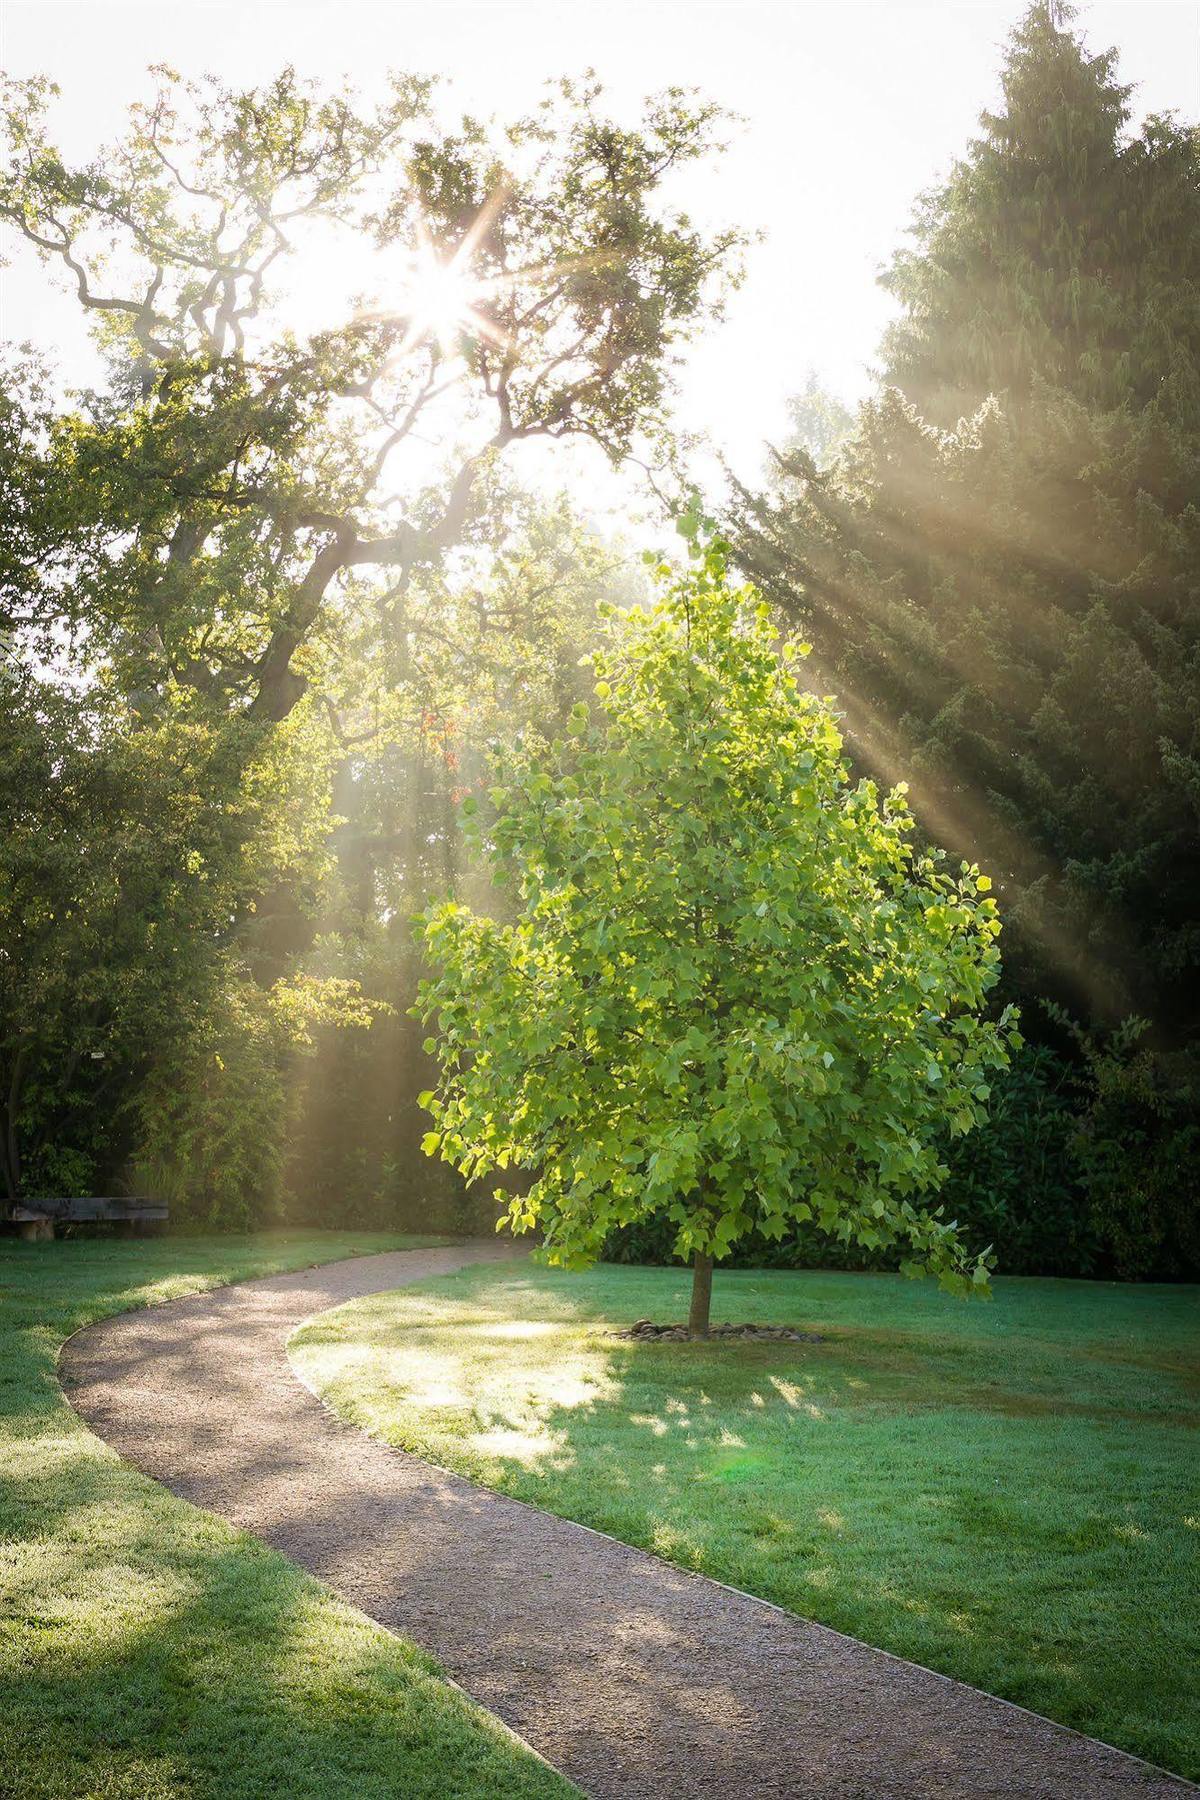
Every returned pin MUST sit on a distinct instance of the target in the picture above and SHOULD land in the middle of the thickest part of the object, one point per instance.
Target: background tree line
(254, 647)
(998, 563)
(251, 651)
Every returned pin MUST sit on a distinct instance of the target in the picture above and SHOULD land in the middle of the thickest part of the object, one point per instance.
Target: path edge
(1185, 1785)
(221, 1287)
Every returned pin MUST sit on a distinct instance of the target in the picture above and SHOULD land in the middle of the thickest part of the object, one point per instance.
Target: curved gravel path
(639, 1682)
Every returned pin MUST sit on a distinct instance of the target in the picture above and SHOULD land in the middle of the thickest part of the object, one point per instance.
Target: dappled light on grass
(151, 1652)
(495, 1385)
(996, 1492)
(792, 1394)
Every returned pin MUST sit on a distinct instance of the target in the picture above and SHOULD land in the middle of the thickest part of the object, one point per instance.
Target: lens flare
(437, 293)
(440, 296)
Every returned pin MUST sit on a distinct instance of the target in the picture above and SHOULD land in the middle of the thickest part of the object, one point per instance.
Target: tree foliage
(254, 628)
(128, 853)
(233, 477)
(217, 1110)
(1001, 576)
(732, 993)
(515, 625)
(1057, 254)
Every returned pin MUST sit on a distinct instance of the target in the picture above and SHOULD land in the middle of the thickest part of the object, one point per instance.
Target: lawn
(1007, 1492)
(150, 1652)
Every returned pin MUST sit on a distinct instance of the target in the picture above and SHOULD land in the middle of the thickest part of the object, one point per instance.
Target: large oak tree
(268, 554)
(231, 476)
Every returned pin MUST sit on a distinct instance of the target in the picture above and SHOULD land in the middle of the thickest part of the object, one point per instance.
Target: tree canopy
(1001, 574)
(280, 623)
(732, 993)
(233, 478)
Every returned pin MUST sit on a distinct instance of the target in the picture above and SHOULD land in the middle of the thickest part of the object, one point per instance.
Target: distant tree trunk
(702, 1270)
(11, 1143)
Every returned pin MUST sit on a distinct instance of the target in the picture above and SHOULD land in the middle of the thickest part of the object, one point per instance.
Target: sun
(437, 294)
(440, 300)
(440, 295)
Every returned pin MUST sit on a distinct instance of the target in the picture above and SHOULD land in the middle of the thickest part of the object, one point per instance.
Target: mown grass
(1008, 1492)
(150, 1652)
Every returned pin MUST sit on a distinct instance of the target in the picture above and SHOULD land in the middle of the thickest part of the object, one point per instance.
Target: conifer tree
(1001, 577)
(1055, 254)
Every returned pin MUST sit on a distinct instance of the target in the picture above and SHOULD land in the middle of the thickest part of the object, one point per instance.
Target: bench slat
(89, 1208)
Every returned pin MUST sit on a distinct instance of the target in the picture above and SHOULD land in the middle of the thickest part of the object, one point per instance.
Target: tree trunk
(702, 1270)
(11, 1144)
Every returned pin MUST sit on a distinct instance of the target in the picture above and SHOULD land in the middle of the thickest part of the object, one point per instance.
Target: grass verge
(150, 1652)
(1007, 1493)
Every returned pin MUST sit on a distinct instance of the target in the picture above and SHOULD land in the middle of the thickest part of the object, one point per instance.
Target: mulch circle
(646, 1331)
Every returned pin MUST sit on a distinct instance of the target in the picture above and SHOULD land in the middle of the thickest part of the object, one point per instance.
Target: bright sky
(850, 108)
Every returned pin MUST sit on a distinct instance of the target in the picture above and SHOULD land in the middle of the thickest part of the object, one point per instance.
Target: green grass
(1005, 1492)
(150, 1652)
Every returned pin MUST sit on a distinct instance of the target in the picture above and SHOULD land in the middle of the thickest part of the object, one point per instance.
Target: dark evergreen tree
(1058, 252)
(1001, 575)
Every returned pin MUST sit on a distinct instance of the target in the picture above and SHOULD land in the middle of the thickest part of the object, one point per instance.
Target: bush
(1086, 1166)
(214, 1113)
(218, 1109)
(1137, 1151)
(1017, 1184)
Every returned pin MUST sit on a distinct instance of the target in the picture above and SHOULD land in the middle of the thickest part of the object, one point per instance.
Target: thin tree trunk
(702, 1270)
(12, 1153)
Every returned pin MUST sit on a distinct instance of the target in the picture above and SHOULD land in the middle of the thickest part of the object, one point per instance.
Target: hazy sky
(850, 108)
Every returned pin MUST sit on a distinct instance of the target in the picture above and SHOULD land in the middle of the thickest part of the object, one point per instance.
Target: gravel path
(639, 1682)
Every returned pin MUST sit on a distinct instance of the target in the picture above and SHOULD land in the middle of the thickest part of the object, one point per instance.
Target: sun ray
(441, 292)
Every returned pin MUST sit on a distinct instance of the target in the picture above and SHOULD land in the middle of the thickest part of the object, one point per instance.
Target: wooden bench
(38, 1218)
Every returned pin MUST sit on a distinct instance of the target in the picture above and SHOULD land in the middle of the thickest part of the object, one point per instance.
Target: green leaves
(133, 853)
(1001, 572)
(732, 996)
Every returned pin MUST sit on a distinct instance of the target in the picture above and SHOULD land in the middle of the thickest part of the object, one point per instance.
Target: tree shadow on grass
(148, 1651)
(991, 1516)
(153, 1650)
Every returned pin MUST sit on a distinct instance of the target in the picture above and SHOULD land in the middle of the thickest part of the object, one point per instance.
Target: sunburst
(440, 294)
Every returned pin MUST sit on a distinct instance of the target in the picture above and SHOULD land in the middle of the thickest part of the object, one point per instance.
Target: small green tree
(733, 994)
